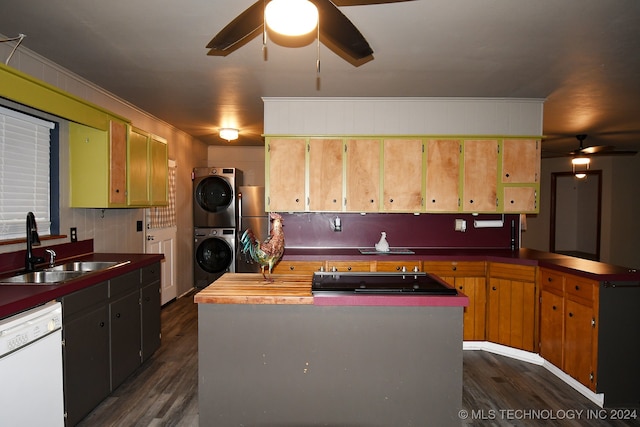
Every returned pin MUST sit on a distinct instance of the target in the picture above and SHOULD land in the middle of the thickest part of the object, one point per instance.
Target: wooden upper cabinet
(480, 175)
(159, 174)
(402, 169)
(286, 184)
(138, 169)
(520, 161)
(442, 175)
(118, 162)
(325, 174)
(363, 175)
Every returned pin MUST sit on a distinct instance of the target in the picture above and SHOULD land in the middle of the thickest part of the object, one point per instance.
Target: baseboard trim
(536, 359)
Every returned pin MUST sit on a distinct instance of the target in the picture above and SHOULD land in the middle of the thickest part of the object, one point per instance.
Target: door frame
(552, 223)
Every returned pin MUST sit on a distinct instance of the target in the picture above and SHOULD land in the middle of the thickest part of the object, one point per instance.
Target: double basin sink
(60, 274)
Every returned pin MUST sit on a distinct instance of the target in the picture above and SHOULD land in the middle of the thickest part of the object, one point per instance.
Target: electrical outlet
(74, 234)
(139, 226)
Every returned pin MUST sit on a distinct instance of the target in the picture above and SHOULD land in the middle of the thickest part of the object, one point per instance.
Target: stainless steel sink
(42, 278)
(86, 266)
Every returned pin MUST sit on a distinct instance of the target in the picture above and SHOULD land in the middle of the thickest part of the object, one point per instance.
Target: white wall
(620, 222)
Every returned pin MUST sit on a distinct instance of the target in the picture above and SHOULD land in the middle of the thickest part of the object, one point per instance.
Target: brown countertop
(17, 298)
(251, 288)
(590, 269)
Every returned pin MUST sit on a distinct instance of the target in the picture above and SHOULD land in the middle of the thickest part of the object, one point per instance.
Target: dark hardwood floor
(498, 391)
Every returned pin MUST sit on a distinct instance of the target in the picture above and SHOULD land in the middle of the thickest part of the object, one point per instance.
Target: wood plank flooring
(497, 389)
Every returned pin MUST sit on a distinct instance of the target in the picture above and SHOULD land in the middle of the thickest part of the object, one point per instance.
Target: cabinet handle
(549, 279)
(291, 267)
(507, 175)
(471, 201)
(102, 324)
(433, 200)
(334, 200)
(349, 268)
(494, 288)
(460, 287)
(454, 268)
(390, 200)
(554, 307)
(371, 200)
(297, 200)
(117, 190)
(118, 315)
(570, 314)
(577, 288)
(512, 202)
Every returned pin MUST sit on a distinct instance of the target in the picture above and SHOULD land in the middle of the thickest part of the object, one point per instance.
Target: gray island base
(305, 364)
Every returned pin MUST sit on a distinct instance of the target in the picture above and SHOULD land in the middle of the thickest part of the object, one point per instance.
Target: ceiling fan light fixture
(580, 166)
(291, 17)
(229, 134)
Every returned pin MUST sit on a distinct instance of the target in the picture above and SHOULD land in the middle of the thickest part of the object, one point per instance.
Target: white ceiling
(582, 56)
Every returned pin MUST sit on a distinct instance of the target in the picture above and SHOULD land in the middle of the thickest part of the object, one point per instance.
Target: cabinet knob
(471, 201)
(371, 200)
(118, 315)
(291, 267)
(577, 288)
(554, 307)
(297, 200)
(570, 314)
(102, 324)
(390, 200)
(117, 190)
(507, 175)
(549, 279)
(512, 202)
(454, 268)
(433, 200)
(494, 288)
(334, 200)
(349, 268)
(460, 287)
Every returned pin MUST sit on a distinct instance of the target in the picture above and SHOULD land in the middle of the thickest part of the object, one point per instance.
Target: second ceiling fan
(336, 30)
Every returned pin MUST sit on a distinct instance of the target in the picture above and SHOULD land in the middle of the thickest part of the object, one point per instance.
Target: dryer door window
(214, 194)
(214, 255)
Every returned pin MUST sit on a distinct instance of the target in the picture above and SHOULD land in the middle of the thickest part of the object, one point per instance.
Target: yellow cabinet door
(88, 166)
(138, 169)
(325, 174)
(363, 175)
(480, 175)
(402, 169)
(159, 173)
(443, 175)
(286, 174)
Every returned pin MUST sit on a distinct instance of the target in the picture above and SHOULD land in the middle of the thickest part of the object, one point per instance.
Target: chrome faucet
(32, 240)
(52, 257)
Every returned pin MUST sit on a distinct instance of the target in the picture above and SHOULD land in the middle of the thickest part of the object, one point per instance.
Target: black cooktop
(406, 283)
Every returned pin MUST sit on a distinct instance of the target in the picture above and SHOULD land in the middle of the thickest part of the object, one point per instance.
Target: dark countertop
(589, 269)
(17, 298)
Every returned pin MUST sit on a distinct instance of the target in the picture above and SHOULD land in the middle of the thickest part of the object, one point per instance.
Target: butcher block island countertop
(251, 288)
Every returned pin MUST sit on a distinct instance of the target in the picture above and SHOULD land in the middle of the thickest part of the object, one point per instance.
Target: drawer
(551, 280)
(348, 266)
(85, 299)
(298, 267)
(525, 273)
(398, 266)
(150, 274)
(580, 288)
(455, 268)
(124, 284)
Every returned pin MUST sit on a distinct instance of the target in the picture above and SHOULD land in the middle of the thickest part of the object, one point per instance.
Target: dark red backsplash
(309, 230)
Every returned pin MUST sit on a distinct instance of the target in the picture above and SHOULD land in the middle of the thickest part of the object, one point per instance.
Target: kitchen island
(273, 354)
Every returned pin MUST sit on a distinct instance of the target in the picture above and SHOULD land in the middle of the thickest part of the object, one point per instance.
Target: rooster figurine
(269, 252)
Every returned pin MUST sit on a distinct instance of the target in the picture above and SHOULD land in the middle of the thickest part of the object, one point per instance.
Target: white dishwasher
(31, 392)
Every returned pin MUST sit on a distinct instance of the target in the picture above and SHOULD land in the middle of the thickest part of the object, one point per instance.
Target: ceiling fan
(336, 30)
(598, 150)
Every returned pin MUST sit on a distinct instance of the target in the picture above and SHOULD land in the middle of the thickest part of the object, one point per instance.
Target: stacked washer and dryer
(215, 222)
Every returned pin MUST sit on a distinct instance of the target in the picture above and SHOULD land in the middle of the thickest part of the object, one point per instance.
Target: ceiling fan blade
(365, 2)
(614, 153)
(596, 149)
(340, 32)
(239, 31)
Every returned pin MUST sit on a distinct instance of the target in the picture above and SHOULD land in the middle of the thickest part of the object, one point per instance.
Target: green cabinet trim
(27, 90)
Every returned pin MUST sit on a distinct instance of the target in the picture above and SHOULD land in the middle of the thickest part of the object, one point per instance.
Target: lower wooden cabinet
(568, 324)
(108, 330)
(298, 267)
(511, 312)
(469, 277)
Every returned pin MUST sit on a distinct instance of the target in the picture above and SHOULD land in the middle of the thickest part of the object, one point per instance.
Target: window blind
(24, 173)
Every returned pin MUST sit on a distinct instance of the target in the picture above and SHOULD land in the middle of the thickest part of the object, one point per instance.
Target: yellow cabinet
(147, 170)
(97, 165)
(402, 175)
(285, 183)
(362, 175)
(443, 175)
(520, 179)
(325, 174)
(480, 175)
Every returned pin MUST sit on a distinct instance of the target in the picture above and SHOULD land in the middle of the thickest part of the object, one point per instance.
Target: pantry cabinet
(97, 165)
(512, 308)
(468, 277)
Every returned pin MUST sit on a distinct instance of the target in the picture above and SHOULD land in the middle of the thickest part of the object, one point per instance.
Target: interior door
(160, 238)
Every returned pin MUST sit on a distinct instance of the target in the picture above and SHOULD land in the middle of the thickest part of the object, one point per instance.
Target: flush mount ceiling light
(291, 17)
(229, 134)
